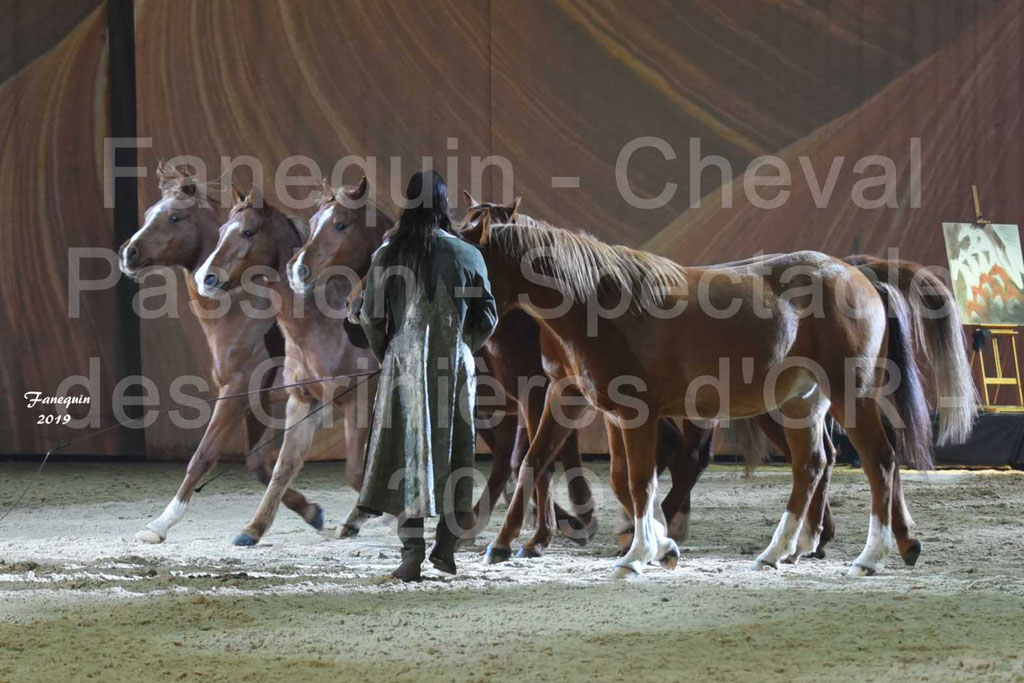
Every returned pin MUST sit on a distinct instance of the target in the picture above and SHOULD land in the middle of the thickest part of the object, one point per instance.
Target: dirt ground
(81, 599)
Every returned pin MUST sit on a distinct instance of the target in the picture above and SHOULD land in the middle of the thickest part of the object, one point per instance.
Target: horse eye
(247, 234)
(340, 226)
(175, 218)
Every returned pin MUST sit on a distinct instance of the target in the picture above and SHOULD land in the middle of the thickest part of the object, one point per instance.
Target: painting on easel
(987, 272)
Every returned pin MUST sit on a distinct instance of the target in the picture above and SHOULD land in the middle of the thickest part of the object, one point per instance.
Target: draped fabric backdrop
(557, 87)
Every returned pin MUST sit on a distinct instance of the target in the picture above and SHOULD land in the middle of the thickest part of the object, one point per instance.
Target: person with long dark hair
(427, 306)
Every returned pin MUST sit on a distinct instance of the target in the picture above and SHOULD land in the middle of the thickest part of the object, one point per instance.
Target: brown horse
(180, 230)
(253, 252)
(684, 450)
(797, 335)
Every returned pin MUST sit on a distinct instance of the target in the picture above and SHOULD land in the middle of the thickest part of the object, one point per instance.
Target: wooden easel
(996, 332)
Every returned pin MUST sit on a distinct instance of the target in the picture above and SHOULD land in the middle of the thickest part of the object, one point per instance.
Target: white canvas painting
(987, 272)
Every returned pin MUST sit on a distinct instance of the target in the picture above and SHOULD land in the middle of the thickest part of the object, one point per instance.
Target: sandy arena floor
(80, 598)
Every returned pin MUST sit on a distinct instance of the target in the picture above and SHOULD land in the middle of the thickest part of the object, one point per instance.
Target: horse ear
(479, 233)
(360, 190)
(256, 197)
(186, 183)
(470, 202)
(326, 190)
(237, 196)
(515, 206)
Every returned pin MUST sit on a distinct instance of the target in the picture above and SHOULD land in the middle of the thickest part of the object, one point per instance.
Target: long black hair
(426, 212)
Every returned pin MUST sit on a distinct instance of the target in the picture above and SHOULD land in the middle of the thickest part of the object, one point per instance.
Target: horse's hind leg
(548, 513)
(819, 515)
(256, 461)
(502, 441)
(868, 435)
(686, 462)
(581, 524)
(902, 524)
(299, 432)
(818, 528)
(649, 540)
(808, 462)
(222, 426)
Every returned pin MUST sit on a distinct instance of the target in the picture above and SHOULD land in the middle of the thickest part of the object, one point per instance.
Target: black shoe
(413, 550)
(443, 554)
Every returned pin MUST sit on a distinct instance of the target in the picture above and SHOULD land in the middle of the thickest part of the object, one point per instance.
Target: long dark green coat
(422, 428)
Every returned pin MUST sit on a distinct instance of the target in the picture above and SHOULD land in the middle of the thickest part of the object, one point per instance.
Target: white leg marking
(783, 542)
(649, 542)
(156, 531)
(807, 542)
(879, 542)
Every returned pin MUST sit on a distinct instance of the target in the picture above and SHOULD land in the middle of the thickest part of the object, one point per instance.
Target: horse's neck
(209, 233)
(287, 239)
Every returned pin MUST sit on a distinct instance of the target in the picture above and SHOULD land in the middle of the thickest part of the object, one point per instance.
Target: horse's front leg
(263, 444)
(547, 439)
(224, 423)
(300, 427)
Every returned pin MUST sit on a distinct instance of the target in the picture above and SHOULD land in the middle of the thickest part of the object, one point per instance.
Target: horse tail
(939, 335)
(910, 401)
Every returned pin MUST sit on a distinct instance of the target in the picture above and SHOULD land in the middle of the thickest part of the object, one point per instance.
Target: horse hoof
(857, 570)
(762, 565)
(497, 555)
(670, 559)
(244, 539)
(318, 519)
(529, 553)
(912, 553)
(626, 571)
(348, 531)
(149, 536)
(578, 537)
(818, 554)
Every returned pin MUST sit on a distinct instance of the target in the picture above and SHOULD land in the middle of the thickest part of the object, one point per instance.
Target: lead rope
(364, 376)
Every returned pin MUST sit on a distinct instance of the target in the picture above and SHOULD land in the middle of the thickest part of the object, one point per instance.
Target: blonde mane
(584, 264)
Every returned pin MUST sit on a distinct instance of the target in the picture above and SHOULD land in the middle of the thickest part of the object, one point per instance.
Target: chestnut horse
(797, 335)
(254, 249)
(180, 230)
(685, 450)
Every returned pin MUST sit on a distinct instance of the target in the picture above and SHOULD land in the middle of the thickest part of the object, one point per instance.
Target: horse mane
(585, 264)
